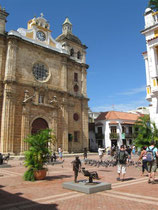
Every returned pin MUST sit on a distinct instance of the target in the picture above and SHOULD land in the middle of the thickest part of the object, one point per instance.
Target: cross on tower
(42, 14)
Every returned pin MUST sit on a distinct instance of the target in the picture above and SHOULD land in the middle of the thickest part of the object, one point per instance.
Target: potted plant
(37, 155)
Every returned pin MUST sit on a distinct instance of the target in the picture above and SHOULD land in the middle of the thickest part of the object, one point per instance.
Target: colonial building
(114, 128)
(43, 85)
(151, 61)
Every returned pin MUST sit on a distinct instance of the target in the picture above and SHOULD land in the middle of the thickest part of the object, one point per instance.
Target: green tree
(145, 131)
(38, 152)
(153, 4)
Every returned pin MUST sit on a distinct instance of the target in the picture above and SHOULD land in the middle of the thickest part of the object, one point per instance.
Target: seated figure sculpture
(92, 175)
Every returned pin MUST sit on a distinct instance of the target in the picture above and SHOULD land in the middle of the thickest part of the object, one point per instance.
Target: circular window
(76, 88)
(40, 72)
(76, 117)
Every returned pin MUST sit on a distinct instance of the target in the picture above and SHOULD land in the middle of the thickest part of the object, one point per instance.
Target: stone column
(84, 82)
(25, 129)
(10, 70)
(65, 128)
(64, 77)
(8, 120)
(85, 135)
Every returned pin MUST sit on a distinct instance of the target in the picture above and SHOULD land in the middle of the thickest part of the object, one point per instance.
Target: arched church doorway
(38, 124)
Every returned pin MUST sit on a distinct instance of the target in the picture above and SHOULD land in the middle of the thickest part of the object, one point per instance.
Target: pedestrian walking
(152, 153)
(85, 153)
(100, 153)
(60, 152)
(121, 158)
(144, 160)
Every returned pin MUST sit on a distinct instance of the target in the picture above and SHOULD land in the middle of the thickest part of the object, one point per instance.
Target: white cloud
(134, 91)
(120, 107)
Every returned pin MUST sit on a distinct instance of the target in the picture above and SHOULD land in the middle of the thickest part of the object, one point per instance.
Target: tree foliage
(153, 4)
(145, 131)
(38, 152)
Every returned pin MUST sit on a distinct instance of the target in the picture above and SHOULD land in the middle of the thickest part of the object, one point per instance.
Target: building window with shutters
(113, 129)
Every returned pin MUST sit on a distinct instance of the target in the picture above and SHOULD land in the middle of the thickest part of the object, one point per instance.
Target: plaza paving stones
(132, 194)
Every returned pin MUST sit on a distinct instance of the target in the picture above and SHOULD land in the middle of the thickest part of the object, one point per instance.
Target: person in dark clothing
(144, 160)
(76, 167)
(1, 159)
(129, 151)
(121, 158)
(85, 153)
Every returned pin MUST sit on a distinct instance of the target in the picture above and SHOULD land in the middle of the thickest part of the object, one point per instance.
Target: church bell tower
(3, 16)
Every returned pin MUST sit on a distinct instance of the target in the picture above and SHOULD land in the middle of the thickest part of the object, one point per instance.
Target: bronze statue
(76, 167)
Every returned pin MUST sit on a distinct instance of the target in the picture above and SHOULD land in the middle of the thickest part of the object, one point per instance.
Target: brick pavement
(15, 193)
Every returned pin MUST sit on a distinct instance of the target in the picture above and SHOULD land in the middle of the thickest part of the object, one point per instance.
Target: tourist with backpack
(121, 158)
(151, 154)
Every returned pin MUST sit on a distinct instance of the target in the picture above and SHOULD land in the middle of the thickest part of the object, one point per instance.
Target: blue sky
(111, 29)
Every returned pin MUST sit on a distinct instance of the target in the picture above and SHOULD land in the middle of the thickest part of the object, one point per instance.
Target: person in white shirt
(100, 152)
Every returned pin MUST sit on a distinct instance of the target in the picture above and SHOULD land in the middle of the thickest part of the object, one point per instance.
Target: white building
(141, 110)
(151, 61)
(115, 128)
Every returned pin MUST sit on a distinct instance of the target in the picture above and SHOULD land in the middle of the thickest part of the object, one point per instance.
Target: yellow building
(43, 85)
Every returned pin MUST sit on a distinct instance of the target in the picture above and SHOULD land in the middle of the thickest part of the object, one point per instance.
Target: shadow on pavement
(105, 170)
(10, 201)
(50, 178)
(129, 179)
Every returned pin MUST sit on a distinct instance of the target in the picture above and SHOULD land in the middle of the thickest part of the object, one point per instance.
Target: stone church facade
(43, 85)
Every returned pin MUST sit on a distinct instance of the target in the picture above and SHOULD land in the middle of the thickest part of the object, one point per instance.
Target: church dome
(148, 10)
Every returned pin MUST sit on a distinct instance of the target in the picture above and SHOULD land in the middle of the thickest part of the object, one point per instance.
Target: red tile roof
(99, 123)
(116, 115)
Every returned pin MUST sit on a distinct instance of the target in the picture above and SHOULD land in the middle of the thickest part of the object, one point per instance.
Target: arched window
(72, 52)
(78, 55)
(76, 88)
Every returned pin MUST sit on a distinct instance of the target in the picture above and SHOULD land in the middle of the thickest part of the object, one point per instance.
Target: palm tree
(153, 4)
(145, 131)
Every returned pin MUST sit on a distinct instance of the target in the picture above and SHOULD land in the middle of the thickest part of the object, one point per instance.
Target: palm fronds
(153, 4)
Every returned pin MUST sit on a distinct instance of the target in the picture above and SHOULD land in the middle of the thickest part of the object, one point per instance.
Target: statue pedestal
(5, 165)
(86, 187)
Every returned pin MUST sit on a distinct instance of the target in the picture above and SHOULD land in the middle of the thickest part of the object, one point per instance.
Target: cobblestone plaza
(133, 193)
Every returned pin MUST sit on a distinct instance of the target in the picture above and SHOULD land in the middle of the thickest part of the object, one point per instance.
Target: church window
(75, 77)
(40, 72)
(76, 88)
(76, 117)
(41, 99)
(72, 52)
(78, 55)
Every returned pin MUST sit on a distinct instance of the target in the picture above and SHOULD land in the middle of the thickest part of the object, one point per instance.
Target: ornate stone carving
(27, 97)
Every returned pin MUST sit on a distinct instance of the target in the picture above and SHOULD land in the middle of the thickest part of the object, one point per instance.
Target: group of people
(149, 157)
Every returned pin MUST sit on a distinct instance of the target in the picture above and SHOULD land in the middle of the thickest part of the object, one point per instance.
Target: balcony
(114, 135)
(99, 136)
(128, 135)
